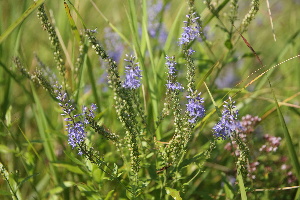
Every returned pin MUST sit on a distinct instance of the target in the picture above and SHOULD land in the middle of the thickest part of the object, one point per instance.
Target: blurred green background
(22, 144)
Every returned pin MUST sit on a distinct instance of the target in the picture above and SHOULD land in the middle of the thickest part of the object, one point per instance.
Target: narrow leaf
(174, 193)
(241, 186)
(287, 136)
(72, 23)
(71, 168)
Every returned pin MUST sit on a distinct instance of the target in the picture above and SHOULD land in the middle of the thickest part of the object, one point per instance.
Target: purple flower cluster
(171, 84)
(191, 30)
(174, 86)
(228, 122)
(64, 102)
(86, 112)
(133, 74)
(195, 108)
(171, 64)
(76, 134)
(76, 123)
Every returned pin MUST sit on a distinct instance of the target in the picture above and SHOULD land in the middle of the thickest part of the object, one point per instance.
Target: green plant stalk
(241, 185)
(140, 54)
(72, 23)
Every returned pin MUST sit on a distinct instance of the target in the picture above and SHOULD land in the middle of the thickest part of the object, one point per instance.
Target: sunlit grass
(39, 163)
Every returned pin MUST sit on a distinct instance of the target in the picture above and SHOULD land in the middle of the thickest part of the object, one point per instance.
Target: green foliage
(141, 143)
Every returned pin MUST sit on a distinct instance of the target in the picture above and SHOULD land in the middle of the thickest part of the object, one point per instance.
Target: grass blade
(20, 19)
(287, 136)
(43, 130)
(241, 186)
(72, 23)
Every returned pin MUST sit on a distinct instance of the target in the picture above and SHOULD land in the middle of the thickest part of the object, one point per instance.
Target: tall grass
(144, 143)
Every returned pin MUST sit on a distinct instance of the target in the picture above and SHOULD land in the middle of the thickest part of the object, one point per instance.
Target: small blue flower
(88, 113)
(64, 102)
(133, 74)
(171, 84)
(76, 122)
(76, 134)
(171, 64)
(228, 122)
(195, 108)
(191, 30)
(190, 52)
(174, 86)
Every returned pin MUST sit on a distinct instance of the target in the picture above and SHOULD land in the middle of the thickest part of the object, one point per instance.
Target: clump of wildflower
(272, 143)
(133, 74)
(75, 127)
(228, 122)
(76, 123)
(286, 170)
(191, 30)
(171, 64)
(76, 134)
(195, 108)
(248, 123)
(171, 83)
(190, 52)
(252, 169)
(174, 86)
(64, 102)
(233, 148)
(89, 113)
(291, 178)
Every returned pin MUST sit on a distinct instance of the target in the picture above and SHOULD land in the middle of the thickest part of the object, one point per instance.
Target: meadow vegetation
(153, 99)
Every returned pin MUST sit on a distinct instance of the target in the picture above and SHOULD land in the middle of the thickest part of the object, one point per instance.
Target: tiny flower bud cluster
(272, 143)
(248, 122)
(133, 74)
(228, 122)
(171, 84)
(252, 168)
(251, 14)
(195, 108)
(53, 39)
(76, 123)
